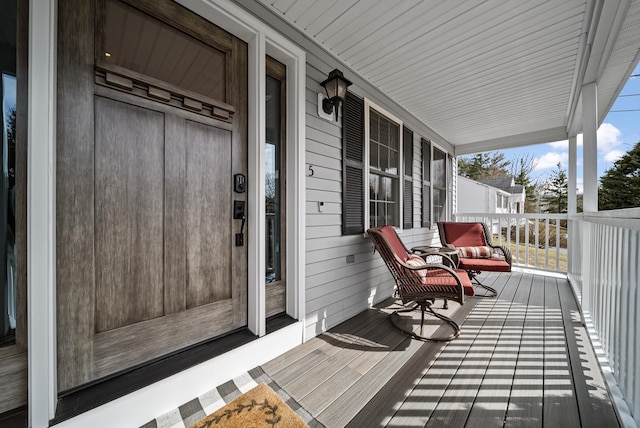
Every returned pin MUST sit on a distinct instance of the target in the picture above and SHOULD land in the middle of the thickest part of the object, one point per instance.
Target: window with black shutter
(407, 201)
(387, 167)
(426, 183)
(353, 165)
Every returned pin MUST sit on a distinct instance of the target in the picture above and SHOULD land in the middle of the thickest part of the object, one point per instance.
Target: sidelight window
(8, 117)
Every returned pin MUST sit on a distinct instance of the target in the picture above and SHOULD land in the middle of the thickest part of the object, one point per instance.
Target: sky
(617, 134)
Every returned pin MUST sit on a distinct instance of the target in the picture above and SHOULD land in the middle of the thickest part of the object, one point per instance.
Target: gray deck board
(525, 402)
(522, 360)
(492, 400)
(463, 391)
(591, 390)
(560, 407)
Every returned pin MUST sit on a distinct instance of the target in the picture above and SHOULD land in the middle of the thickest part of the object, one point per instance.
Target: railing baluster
(537, 239)
(546, 243)
(558, 244)
(526, 243)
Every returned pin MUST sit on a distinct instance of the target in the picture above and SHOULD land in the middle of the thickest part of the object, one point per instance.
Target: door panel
(208, 213)
(128, 208)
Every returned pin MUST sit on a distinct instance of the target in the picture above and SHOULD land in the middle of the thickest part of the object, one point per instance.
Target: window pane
(439, 205)
(394, 136)
(393, 162)
(373, 187)
(374, 156)
(384, 158)
(273, 151)
(8, 86)
(374, 131)
(140, 43)
(439, 169)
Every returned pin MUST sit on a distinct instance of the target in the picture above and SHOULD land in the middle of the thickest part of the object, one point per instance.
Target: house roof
(483, 75)
(505, 184)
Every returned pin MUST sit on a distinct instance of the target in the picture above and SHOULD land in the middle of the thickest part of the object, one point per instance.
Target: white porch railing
(600, 252)
(535, 240)
(604, 272)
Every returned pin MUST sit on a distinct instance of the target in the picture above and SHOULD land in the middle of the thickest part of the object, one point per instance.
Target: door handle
(239, 214)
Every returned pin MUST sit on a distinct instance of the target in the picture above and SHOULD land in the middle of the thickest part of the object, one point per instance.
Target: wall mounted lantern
(336, 87)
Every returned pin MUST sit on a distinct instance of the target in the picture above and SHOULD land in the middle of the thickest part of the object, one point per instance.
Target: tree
(620, 184)
(521, 169)
(483, 165)
(556, 191)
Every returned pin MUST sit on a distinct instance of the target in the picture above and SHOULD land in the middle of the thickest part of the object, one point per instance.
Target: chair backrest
(393, 252)
(394, 242)
(463, 234)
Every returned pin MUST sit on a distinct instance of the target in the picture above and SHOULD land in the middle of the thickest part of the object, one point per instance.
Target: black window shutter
(352, 165)
(407, 197)
(426, 183)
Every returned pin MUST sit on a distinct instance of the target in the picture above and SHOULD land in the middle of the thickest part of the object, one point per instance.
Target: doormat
(258, 407)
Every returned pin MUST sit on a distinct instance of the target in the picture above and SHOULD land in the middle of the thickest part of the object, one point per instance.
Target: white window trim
(368, 105)
(448, 185)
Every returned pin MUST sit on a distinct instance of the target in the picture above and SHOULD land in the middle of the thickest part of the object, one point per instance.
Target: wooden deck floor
(523, 360)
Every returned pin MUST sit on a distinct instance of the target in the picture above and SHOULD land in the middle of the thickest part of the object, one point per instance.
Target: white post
(590, 146)
(41, 204)
(572, 205)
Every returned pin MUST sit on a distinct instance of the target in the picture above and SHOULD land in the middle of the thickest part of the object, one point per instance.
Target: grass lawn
(542, 264)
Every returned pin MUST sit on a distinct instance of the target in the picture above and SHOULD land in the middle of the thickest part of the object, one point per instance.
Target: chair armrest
(505, 251)
(441, 267)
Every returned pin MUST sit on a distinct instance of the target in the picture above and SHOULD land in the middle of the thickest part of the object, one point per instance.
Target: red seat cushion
(464, 234)
(444, 278)
(492, 265)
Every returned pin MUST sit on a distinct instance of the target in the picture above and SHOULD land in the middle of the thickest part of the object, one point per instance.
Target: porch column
(590, 146)
(572, 204)
(41, 209)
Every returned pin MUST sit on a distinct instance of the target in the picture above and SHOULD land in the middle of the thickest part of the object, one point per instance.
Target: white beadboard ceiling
(483, 74)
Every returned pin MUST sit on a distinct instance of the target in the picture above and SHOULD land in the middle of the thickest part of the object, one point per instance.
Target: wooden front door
(151, 131)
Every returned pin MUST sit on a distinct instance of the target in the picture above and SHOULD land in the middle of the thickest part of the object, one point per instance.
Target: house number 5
(310, 171)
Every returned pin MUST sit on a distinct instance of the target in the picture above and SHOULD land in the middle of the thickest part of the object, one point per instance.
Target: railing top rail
(513, 215)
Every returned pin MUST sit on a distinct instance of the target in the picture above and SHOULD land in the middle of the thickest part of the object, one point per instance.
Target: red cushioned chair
(476, 252)
(420, 282)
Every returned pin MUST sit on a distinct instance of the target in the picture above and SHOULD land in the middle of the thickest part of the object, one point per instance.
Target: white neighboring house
(496, 195)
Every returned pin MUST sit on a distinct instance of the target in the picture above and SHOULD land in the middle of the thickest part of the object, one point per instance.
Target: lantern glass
(331, 86)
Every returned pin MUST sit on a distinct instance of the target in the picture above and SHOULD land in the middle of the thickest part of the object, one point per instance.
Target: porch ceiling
(482, 74)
